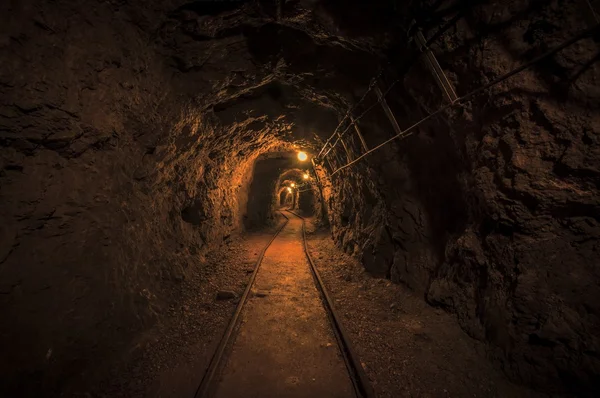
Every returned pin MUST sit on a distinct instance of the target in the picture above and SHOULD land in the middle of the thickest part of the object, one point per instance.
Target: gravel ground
(408, 348)
(169, 360)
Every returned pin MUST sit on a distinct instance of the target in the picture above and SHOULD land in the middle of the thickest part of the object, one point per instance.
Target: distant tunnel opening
(284, 197)
(177, 130)
(307, 202)
(261, 204)
(278, 181)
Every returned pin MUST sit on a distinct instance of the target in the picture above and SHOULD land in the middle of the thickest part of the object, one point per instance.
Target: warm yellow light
(289, 190)
(302, 156)
(305, 176)
(292, 185)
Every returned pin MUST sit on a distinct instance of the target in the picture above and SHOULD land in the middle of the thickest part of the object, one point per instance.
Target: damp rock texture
(492, 211)
(137, 136)
(128, 136)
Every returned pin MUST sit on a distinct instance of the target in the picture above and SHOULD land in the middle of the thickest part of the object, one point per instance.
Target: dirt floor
(170, 359)
(285, 346)
(408, 348)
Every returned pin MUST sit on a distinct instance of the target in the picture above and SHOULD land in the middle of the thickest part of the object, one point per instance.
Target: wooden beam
(360, 136)
(348, 153)
(435, 68)
(388, 111)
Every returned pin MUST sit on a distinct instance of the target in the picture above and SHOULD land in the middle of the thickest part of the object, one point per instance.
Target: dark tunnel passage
(307, 202)
(151, 151)
(278, 179)
(285, 197)
(261, 204)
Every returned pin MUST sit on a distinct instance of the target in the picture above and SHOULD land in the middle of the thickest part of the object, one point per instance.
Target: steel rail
(349, 112)
(435, 68)
(436, 36)
(331, 147)
(360, 136)
(359, 378)
(353, 123)
(371, 85)
(458, 103)
(206, 383)
(388, 111)
(385, 93)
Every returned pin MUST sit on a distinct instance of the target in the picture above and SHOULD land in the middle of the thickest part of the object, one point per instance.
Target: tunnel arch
(293, 186)
(305, 199)
(170, 135)
(286, 198)
(268, 174)
(307, 202)
(291, 175)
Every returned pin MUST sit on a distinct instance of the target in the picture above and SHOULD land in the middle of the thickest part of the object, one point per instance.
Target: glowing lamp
(289, 190)
(292, 185)
(305, 176)
(302, 156)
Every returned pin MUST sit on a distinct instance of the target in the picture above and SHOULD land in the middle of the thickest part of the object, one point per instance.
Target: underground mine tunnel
(299, 198)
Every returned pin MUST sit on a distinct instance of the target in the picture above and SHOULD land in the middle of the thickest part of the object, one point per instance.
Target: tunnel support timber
(456, 103)
(359, 378)
(204, 387)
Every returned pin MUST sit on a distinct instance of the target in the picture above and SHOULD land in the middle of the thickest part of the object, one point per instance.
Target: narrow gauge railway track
(360, 383)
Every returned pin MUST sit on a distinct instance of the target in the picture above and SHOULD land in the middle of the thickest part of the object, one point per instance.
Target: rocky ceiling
(136, 135)
(298, 61)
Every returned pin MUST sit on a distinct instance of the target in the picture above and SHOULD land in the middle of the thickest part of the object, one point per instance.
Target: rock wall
(266, 188)
(533, 241)
(113, 184)
(73, 137)
(129, 132)
(129, 139)
(307, 202)
(492, 211)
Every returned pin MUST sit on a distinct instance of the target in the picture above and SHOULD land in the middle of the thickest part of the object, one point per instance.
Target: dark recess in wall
(137, 136)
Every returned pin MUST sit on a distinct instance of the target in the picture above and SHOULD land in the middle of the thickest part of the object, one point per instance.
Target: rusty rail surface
(360, 381)
(206, 384)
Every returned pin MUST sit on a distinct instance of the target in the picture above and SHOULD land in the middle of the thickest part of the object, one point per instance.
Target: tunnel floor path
(285, 346)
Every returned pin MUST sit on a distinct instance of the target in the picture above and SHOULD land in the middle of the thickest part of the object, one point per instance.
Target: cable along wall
(483, 211)
(442, 81)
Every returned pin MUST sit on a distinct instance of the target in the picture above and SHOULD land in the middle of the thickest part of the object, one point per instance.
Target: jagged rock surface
(493, 211)
(129, 133)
